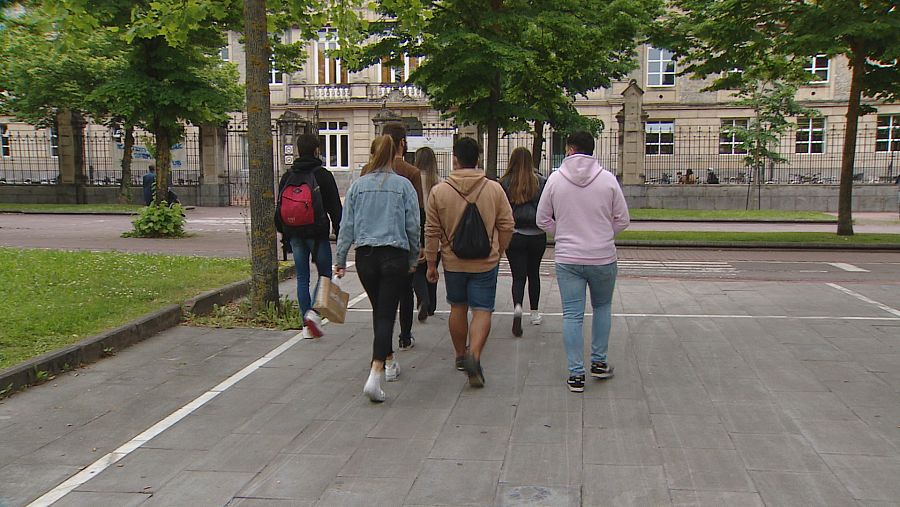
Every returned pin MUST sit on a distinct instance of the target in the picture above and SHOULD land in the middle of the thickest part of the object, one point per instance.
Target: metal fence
(31, 157)
(238, 161)
(813, 156)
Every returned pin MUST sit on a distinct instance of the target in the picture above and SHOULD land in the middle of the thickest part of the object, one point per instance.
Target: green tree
(715, 36)
(509, 64)
(168, 78)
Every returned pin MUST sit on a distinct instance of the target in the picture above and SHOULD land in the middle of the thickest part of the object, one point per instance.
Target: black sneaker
(407, 343)
(423, 312)
(473, 371)
(601, 369)
(576, 383)
(459, 363)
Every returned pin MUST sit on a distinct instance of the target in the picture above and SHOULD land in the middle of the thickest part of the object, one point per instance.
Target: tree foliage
(776, 37)
(503, 64)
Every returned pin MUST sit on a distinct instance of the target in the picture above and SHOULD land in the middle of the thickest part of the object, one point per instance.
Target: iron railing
(809, 158)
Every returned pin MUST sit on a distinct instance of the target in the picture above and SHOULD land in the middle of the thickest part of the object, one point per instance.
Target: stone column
(70, 150)
(214, 189)
(631, 135)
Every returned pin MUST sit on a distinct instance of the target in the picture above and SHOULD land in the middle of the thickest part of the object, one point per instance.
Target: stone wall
(70, 194)
(778, 197)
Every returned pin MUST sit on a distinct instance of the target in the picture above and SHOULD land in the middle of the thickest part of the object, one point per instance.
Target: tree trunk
(848, 158)
(493, 128)
(263, 248)
(163, 163)
(537, 144)
(125, 185)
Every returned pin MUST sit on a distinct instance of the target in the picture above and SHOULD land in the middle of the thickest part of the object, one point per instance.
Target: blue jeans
(600, 280)
(303, 248)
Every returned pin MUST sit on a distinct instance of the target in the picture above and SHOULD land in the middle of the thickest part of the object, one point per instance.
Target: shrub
(158, 221)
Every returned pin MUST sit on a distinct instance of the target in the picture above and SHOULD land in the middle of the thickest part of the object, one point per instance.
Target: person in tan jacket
(472, 282)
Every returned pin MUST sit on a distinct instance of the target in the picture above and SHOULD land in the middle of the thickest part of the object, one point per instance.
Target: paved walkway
(726, 393)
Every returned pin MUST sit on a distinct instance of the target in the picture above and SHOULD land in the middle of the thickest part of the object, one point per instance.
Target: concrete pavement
(727, 392)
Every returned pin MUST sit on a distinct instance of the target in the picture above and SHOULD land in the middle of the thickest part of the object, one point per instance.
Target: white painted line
(864, 299)
(357, 299)
(693, 316)
(848, 267)
(150, 433)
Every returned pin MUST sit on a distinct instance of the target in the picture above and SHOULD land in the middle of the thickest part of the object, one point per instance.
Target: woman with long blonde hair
(523, 188)
(426, 292)
(381, 217)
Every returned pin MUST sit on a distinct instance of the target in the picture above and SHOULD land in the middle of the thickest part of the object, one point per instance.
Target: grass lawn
(52, 298)
(71, 208)
(728, 215)
(761, 237)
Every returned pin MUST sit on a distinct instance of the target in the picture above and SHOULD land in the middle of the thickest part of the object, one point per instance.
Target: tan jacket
(409, 171)
(445, 209)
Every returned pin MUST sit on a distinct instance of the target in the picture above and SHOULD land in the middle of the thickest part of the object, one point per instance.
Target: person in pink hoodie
(583, 208)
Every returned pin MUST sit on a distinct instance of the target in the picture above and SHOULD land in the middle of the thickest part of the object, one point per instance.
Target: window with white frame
(810, 135)
(276, 77)
(334, 142)
(54, 142)
(399, 72)
(659, 137)
(225, 53)
(5, 142)
(819, 66)
(329, 70)
(729, 143)
(887, 138)
(660, 67)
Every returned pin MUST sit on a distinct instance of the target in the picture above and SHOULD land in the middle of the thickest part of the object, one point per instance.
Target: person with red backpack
(307, 208)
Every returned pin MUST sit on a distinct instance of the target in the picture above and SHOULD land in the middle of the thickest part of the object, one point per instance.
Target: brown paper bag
(331, 301)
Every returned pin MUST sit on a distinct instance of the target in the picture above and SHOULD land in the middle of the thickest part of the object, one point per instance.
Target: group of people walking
(404, 221)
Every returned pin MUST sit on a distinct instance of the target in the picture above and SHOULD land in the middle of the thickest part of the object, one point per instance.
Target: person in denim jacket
(381, 217)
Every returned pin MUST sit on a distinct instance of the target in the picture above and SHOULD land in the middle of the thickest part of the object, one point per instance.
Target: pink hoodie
(583, 208)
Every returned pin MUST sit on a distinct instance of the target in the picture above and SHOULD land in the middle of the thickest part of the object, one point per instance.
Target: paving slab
(703, 410)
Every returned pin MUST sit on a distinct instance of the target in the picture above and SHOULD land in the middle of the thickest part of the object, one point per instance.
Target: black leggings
(525, 254)
(384, 273)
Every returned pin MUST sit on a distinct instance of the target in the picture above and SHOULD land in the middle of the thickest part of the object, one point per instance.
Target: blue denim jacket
(380, 209)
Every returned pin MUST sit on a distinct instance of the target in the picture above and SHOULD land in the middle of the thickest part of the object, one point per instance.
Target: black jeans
(384, 273)
(525, 254)
(406, 307)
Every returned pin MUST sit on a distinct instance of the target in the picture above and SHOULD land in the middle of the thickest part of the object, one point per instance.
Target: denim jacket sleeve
(346, 232)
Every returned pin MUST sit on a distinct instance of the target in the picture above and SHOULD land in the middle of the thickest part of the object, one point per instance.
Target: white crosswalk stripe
(650, 268)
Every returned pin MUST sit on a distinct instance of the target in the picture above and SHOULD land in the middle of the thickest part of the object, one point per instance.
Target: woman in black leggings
(381, 217)
(523, 188)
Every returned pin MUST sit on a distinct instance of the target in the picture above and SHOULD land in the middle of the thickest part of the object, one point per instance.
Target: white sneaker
(391, 370)
(305, 334)
(313, 322)
(536, 318)
(373, 388)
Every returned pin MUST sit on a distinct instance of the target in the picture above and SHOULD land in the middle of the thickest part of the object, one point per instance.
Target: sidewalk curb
(109, 342)
(736, 221)
(756, 245)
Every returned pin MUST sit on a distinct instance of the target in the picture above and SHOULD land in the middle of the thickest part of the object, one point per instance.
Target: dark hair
(466, 151)
(582, 141)
(396, 130)
(307, 144)
(151, 168)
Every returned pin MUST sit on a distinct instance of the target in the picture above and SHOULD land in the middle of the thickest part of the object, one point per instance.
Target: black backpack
(471, 240)
(319, 226)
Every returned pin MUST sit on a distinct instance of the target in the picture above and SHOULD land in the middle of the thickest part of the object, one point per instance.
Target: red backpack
(300, 208)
